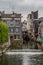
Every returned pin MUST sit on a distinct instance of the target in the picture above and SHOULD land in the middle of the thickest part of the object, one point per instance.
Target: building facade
(35, 21)
(40, 30)
(29, 23)
(14, 22)
(32, 22)
(24, 25)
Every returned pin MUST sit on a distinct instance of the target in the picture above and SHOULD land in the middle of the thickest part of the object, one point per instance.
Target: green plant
(3, 32)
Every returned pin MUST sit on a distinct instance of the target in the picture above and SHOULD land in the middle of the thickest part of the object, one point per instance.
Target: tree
(3, 32)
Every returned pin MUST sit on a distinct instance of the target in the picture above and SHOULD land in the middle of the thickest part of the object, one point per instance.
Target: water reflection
(26, 60)
(21, 59)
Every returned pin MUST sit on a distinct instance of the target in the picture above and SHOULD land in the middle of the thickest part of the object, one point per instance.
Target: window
(17, 30)
(16, 36)
(17, 22)
(11, 30)
(11, 23)
(11, 36)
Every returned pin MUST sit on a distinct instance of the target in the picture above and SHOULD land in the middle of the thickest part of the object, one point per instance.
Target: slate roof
(15, 15)
(41, 19)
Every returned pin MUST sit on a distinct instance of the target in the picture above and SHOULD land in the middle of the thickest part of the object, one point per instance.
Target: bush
(3, 32)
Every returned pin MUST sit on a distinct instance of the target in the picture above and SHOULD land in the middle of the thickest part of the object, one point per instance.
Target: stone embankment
(4, 48)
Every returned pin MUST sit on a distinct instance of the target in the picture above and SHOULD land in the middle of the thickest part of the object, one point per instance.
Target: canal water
(22, 58)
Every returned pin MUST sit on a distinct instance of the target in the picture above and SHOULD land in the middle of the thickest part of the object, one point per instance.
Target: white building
(29, 23)
(13, 21)
(24, 25)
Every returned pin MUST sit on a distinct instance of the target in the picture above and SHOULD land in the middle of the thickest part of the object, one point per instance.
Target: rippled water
(22, 58)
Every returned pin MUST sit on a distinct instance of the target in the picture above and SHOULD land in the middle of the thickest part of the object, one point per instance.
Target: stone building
(13, 20)
(35, 22)
(32, 22)
(24, 28)
(40, 28)
(40, 20)
(29, 23)
(24, 25)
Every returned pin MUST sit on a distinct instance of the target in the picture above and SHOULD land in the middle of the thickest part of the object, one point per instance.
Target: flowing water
(22, 58)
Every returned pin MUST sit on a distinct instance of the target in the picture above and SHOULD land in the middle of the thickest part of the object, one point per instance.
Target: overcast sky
(22, 6)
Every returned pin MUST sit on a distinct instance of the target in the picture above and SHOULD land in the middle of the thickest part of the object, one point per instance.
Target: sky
(22, 6)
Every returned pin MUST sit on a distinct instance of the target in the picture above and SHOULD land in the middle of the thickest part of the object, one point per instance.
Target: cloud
(25, 2)
(22, 6)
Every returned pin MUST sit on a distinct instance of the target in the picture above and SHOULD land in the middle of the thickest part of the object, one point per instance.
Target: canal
(22, 58)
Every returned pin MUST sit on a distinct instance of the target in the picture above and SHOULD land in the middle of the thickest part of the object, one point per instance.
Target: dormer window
(13, 15)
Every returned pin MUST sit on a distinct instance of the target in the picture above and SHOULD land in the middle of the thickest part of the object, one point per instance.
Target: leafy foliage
(3, 32)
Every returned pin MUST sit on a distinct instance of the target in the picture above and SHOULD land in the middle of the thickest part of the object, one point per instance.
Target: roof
(15, 15)
(41, 19)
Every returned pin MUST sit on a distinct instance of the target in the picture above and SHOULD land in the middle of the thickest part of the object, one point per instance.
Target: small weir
(22, 57)
(24, 51)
